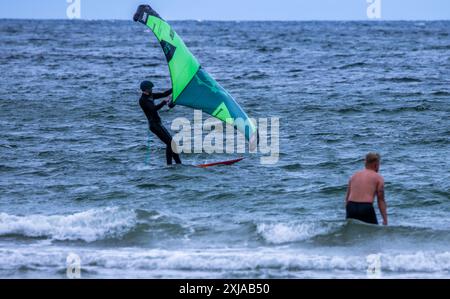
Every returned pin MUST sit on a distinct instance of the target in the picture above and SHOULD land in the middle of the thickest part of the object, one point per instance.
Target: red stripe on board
(230, 162)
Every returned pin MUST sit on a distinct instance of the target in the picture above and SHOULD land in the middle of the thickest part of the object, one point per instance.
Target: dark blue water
(79, 175)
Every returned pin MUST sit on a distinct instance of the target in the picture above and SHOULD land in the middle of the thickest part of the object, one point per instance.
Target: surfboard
(229, 162)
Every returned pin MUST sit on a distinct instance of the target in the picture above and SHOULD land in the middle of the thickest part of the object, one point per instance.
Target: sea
(84, 189)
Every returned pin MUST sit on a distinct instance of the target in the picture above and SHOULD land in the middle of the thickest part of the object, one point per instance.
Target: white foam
(89, 226)
(278, 233)
(246, 259)
(418, 261)
(257, 262)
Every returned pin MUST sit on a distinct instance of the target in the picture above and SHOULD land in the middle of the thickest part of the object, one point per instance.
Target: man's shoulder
(144, 100)
(378, 177)
(358, 173)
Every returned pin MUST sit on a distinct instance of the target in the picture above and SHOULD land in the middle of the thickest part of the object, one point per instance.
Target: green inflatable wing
(192, 86)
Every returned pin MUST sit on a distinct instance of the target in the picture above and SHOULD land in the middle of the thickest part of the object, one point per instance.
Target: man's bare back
(363, 186)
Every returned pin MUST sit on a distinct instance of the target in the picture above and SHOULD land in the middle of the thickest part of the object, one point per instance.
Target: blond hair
(372, 158)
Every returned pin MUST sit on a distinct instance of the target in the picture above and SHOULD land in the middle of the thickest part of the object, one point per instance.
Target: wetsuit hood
(146, 86)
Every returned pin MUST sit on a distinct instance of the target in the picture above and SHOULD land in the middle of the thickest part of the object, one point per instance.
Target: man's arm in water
(381, 201)
(161, 95)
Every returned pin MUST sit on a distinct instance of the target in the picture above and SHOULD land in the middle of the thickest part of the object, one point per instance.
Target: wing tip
(143, 12)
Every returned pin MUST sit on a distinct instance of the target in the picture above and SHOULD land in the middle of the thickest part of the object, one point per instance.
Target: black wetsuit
(361, 211)
(151, 111)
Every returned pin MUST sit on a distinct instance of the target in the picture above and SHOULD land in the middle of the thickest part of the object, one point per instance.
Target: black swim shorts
(361, 211)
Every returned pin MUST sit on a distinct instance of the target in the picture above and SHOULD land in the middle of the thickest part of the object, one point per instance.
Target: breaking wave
(260, 262)
(89, 226)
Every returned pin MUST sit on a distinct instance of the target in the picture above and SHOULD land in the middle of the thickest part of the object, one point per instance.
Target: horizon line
(238, 20)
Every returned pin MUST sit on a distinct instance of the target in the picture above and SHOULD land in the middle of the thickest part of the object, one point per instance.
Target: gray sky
(232, 9)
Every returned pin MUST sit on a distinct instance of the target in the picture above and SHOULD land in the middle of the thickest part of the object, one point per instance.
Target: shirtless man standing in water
(362, 188)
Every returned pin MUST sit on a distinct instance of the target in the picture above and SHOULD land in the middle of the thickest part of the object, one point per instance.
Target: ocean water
(80, 174)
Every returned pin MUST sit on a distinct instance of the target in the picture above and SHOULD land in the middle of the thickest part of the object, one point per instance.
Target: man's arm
(160, 105)
(147, 105)
(162, 94)
(381, 201)
(150, 106)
